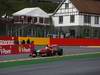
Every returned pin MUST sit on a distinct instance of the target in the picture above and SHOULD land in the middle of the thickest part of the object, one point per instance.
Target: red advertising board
(25, 48)
(75, 42)
(5, 49)
(15, 49)
(7, 40)
(8, 46)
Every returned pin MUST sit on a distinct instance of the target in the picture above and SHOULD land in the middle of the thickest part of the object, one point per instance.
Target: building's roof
(87, 6)
(84, 6)
(59, 6)
(34, 12)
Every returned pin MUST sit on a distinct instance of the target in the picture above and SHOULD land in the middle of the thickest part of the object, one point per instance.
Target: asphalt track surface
(78, 49)
(67, 51)
(72, 67)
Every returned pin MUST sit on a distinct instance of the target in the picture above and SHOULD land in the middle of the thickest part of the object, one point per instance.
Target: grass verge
(49, 59)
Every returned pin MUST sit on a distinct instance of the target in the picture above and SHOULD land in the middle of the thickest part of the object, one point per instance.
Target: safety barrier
(10, 45)
(75, 42)
(15, 49)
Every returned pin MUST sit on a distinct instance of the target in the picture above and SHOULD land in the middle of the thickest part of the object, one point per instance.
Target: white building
(80, 18)
(31, 15)
(30, 22)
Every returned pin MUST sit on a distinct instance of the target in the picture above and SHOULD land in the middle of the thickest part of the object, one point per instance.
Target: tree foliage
(10, 6)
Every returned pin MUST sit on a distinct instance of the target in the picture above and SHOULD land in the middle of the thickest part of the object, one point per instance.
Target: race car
(33, 53)
(51, 51)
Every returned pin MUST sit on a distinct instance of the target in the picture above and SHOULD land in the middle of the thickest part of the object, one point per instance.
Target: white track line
(90, 46)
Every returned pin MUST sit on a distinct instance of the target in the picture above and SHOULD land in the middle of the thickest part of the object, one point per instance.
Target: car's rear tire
(60, 52)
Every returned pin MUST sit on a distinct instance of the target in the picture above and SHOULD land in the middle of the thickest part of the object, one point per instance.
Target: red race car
(33, 53)
(51, 51)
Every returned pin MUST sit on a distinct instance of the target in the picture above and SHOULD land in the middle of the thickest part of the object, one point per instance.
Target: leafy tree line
(10, 6)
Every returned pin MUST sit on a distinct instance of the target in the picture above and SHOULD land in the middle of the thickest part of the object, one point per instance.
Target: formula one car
(33, 53)
(51, 51)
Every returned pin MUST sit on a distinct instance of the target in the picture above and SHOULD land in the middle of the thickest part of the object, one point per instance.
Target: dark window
(46, 20)
(60, 19)
(66, 5)
(72, 32)
(41, 20)
(96, 19)
(95, 33)
(16, 19)
(87, 19)
(72, 18)
(35, 19)
(86, 32)
(29, 19)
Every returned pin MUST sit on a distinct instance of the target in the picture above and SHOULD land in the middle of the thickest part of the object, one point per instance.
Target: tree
(11, 6)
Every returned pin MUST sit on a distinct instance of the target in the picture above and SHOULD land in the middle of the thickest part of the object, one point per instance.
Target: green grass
(47, 60)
